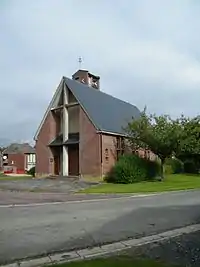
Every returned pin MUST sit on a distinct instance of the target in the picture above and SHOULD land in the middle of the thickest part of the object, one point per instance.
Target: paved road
(27, 198)
(36, 230)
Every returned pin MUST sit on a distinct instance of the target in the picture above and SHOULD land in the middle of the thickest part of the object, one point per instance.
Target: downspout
(101, 156)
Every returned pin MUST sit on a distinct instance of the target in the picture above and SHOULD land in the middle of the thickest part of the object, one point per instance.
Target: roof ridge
(99, 91)
(106, 112)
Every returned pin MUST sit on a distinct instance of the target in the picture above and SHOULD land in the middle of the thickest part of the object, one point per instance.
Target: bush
(190, 167)
(153, 169)
(173, 166)
(131, 169)
(31, 171)
(168, 169)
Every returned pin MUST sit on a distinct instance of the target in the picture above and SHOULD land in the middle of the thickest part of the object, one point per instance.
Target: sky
(146, 52)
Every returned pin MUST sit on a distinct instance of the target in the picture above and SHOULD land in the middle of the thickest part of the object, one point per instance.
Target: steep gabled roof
(106, 112)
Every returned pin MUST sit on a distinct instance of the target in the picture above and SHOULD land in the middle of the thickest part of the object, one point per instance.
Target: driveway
(27, 231)
(57, 185)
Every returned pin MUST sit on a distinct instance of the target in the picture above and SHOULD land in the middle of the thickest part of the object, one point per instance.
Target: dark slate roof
(16, 148)
(58, 141)
(107, 113)
(73, 138)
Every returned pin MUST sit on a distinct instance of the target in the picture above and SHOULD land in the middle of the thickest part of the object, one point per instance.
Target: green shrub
(168, 169)
(31, 171)
(153, 169)
(190, 167)
(131, 169)
(173, 166)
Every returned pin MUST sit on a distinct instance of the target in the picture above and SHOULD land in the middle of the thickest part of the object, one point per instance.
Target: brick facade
(17, 160)
(44, 165)
(89, 147)
(108, 152)
(97, 151)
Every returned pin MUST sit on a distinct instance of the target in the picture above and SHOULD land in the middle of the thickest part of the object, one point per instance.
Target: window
(106, 155)
(120, 146)
(31, 158)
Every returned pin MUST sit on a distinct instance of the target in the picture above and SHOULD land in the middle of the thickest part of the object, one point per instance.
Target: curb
(104, 250)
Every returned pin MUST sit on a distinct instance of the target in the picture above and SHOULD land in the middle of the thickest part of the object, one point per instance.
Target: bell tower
(86, 77)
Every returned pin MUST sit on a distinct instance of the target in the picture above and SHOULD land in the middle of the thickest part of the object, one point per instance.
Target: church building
(81, 131)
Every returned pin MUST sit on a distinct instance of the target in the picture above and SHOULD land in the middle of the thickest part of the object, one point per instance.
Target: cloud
(146, 52)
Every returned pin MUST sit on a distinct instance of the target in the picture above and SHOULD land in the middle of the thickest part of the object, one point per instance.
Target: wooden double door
(73, 156)
(73, 161)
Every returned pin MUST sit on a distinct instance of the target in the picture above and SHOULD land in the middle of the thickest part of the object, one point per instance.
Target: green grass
(4, 177)
(120, 261)
(171, 183)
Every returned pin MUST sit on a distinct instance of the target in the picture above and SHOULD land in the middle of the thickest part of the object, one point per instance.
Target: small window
(118, 142)
(106, 154)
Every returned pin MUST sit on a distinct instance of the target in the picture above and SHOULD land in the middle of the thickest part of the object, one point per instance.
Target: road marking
(75, 201)
(95, 200)
(109, 249)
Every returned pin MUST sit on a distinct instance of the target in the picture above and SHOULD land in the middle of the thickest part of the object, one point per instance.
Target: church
(81, 132)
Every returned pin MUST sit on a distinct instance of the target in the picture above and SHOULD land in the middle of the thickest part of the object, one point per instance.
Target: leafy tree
(189, 136)
(159, 134)
(189, 143)
(2, 149)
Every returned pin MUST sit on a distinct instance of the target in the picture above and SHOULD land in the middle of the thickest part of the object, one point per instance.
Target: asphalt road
(27, 231)
(27, 198)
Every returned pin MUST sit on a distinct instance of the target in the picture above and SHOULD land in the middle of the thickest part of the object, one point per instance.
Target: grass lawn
(8, 177)
(115, 262)
(171, 183)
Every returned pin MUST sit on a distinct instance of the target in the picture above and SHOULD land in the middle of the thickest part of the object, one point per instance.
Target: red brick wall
(18, 161)
(43, 152)
(108, 152)
(89, 147)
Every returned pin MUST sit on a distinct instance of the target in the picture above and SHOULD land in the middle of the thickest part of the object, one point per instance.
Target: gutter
(111, 133)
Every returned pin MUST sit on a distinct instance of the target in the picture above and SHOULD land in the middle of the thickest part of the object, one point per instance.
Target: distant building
(18, 158)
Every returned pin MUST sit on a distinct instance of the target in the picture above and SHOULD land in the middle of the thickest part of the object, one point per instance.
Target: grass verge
(171, 183)
(4, 177)
(119, 261)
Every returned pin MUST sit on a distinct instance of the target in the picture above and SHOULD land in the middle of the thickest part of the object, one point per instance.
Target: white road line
(75, 201)
(95, 200)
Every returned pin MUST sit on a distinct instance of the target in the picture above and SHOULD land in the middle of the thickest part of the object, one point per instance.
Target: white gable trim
(112, 133)
(54, 102)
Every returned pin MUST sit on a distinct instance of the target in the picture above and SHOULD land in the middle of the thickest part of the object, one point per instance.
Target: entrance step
(72, 178)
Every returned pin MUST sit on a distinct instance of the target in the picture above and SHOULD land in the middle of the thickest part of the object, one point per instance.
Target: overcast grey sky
(146, 52)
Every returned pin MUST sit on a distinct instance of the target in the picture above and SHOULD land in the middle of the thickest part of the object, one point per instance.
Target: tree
(189, 136)
(189, 143)
(2, 149)
(159, 134)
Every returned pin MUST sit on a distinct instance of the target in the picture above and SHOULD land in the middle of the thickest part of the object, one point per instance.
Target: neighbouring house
(81, 133)
(18, 158)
